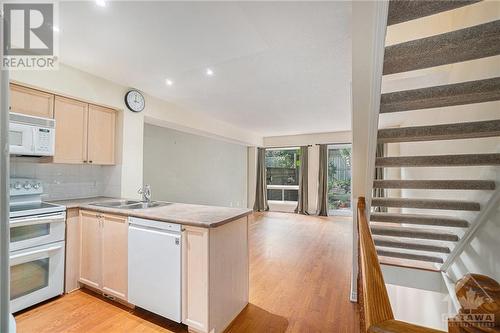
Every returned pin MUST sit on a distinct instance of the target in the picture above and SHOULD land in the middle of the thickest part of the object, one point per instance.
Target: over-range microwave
(31, 136)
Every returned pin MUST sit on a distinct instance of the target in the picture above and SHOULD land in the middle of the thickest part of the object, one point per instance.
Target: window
(282, 167)
(339, 180)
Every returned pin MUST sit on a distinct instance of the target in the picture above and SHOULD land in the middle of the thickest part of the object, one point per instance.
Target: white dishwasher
(154, 266)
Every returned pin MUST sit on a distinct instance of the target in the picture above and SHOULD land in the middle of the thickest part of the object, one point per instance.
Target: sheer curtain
(261, 186)
(302, 204)
(323, 181)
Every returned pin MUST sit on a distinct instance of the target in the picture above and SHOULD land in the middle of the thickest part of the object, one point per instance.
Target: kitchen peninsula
(214, 255)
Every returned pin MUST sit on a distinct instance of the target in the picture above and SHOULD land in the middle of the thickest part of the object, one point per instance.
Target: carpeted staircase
(424, 240)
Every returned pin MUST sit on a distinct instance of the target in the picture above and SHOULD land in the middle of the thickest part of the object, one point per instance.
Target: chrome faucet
(145, 191)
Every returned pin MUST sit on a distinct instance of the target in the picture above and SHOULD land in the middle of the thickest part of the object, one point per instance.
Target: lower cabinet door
(90, 249)
(114, 255)
(195, 278)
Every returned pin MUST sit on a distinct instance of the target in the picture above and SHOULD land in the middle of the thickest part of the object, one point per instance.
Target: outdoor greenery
(339, 178)
(282, 168)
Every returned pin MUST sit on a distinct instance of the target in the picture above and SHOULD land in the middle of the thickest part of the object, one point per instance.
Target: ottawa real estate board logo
(29, 36)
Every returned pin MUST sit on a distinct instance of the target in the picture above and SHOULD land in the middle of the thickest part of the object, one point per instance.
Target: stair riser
(481, 129)
(461, 45)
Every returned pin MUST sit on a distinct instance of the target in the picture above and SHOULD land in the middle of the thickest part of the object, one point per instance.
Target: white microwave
(31, 136)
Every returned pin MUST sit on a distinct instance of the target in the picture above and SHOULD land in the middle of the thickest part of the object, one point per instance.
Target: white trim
(381, 13)
(471, 231)
(283, 148)
(339, 145)
(450, 286)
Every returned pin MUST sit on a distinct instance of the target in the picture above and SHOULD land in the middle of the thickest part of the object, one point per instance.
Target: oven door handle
(59, 218)
(49, 249)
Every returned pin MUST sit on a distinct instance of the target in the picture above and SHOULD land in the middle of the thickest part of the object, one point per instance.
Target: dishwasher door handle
(154, 230)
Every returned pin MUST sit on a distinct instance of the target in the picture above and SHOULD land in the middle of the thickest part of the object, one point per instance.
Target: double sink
(130, 204)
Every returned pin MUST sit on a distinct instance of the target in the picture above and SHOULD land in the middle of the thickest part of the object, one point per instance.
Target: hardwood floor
(299, 282)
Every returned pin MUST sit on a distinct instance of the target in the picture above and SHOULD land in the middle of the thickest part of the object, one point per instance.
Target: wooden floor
(299, 282)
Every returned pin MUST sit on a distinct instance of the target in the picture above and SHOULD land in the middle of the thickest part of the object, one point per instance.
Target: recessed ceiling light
(100, 3)
(169, 82)
(56, 29)
(209, 72)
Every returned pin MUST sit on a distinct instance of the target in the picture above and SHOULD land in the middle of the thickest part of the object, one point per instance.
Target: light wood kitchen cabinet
(31, 101)
(101, 135)
(91, 249)
(195, 278)
(215, 275)
(114, 255)
(72, 250)
(103, 259)
(71, 130)
(85, 133)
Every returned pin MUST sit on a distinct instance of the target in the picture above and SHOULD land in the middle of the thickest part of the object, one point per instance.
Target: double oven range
(37, 245)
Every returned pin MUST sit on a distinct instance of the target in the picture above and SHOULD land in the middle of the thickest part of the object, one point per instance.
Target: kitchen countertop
(186, 214)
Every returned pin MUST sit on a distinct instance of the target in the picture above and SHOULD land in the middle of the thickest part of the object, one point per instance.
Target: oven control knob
(27, 186)
(36, 186)
(17, 186)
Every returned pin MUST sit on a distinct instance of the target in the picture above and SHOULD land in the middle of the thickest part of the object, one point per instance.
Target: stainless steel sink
(144, 205)
(129, 204)
(115, 203)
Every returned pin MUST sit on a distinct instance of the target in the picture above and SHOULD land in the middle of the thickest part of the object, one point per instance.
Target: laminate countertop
(185, 214)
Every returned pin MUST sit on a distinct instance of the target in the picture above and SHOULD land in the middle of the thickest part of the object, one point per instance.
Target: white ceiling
(280, 67)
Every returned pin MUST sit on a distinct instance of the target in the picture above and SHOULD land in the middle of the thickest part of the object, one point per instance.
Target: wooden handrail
(377, 312)
(377, 306)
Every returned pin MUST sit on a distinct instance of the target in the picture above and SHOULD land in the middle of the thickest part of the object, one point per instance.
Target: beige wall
(188, 168)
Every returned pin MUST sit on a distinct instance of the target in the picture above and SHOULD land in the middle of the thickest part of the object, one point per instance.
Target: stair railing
(376, 311)
(472, 230)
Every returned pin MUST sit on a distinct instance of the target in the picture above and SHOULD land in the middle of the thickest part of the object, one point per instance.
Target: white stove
(37, 242)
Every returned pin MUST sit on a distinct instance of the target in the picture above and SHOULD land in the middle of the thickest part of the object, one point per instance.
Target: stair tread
(436, 184)
(420, 219)
(420, 245)
(439, 160)
(407, 263)
(412, 256)
(465, 130)
(470, 43)
(426, 203)
(402, 11)
(408, 232)
(469, 92)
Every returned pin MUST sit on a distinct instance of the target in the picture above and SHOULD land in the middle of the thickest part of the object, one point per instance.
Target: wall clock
(134, 101)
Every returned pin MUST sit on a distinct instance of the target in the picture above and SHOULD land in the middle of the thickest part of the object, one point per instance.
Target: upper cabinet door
(31, 101)
(71, 130)
(101, 135)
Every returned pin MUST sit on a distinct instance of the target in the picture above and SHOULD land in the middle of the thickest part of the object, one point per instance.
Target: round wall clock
(135, 101)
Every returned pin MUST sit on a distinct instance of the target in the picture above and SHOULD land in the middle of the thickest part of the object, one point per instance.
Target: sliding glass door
(339, 179)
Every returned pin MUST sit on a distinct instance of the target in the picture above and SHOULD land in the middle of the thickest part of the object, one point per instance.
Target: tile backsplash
(68, 181)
